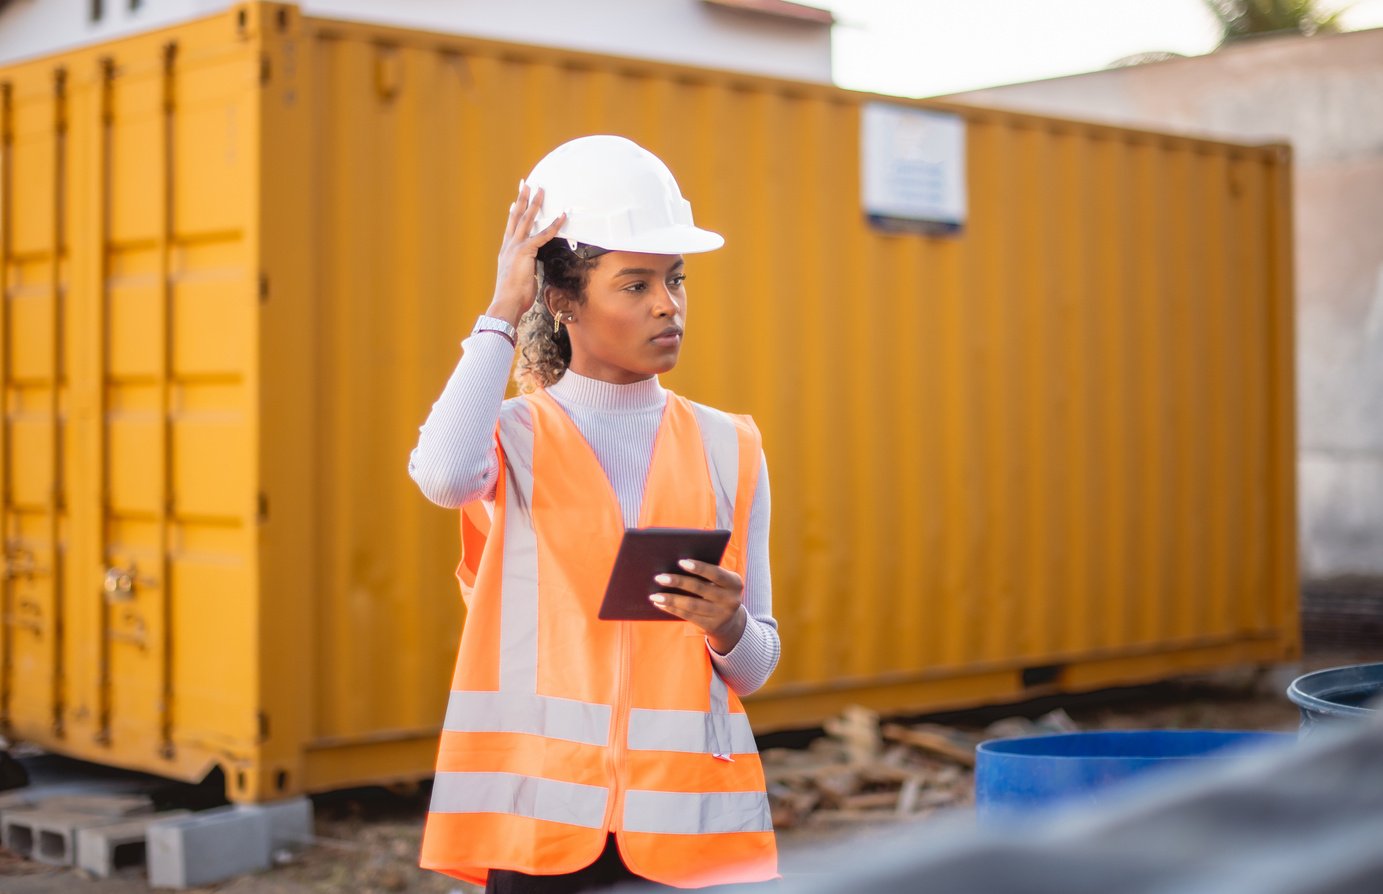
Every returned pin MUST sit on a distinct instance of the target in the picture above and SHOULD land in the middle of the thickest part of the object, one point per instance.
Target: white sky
(931, 47)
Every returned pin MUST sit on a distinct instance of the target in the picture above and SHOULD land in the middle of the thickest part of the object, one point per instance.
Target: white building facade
(767, 37)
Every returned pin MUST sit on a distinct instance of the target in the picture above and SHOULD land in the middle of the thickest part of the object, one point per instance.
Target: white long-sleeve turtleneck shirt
(455, 462)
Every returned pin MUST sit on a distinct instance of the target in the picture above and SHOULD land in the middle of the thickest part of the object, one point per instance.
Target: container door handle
(119, 584)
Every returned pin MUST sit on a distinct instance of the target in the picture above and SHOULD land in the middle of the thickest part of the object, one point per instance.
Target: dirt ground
(368, 839)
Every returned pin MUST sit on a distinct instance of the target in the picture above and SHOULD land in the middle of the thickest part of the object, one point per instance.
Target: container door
(135, 534)
(32, 517)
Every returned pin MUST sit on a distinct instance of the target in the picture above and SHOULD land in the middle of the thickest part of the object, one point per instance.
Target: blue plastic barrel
(1017, 776)
(1336, 694)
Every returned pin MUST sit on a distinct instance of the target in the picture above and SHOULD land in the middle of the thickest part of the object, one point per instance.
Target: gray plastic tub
(1339, 694)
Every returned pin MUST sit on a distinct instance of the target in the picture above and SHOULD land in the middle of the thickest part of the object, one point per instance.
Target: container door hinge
(263, 726)
(263, 287)
(388, 73)
(19, 562)
(263, 507)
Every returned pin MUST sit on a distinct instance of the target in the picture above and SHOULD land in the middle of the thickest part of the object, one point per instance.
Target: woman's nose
(665, 303)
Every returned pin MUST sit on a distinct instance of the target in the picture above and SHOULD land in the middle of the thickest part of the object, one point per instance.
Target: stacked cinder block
(101, 850)
(213, 845)
(47, 831)
(207, 847)
(103, 833)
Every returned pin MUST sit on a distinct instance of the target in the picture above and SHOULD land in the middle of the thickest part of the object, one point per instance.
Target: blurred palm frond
(1239, 19)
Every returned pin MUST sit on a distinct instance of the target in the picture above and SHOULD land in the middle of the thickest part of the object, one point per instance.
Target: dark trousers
(607, 871)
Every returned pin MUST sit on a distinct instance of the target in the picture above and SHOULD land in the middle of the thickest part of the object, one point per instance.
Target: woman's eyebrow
(648, 271)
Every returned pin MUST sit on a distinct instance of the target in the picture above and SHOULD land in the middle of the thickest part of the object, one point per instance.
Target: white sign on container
(912, 168)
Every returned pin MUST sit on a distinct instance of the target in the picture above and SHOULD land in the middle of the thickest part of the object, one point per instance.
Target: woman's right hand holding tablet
(516, 285)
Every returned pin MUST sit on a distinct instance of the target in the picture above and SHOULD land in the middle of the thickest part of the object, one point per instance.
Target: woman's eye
(676, 281)
(636, 287)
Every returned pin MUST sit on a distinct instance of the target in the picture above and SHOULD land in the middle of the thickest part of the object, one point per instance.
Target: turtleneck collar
(635, 397)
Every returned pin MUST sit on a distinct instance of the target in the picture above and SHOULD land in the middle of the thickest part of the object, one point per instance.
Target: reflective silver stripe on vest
(690, 731)
(512, 793)
(518, 620)
(720, 440)
(722, 738)
(692, 813)
(538, 715)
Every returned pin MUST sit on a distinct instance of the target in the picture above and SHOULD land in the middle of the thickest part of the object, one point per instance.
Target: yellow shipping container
(1052, 451)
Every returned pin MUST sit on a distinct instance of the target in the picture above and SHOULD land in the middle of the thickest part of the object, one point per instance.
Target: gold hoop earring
(556, 323)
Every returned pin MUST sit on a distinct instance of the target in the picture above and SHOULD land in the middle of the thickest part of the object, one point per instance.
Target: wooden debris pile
(865, 771)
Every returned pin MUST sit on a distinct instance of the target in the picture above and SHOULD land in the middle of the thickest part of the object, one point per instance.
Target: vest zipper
(618, 747)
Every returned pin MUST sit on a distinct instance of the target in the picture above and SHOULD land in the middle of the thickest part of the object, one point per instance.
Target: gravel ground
(368, 839)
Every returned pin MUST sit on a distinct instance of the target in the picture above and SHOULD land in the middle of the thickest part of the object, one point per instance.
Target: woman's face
(630, 326)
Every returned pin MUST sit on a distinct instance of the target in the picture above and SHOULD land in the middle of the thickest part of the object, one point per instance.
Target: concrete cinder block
(290, 822)
(48, 836)
(100, 805)
(103, 849)
(207, 847)
(15, 834)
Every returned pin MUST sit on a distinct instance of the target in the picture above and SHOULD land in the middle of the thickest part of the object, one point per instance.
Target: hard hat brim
(680, 240)
(670, 241)
(667, 241)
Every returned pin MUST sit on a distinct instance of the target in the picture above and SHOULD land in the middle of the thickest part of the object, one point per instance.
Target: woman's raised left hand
(717, 606)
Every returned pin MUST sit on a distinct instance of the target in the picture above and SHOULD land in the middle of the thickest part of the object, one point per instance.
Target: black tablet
(646, 552)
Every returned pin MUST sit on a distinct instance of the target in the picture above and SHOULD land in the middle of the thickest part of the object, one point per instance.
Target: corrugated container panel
(1050, 452)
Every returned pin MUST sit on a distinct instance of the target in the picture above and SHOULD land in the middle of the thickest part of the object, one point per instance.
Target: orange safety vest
(562, 728)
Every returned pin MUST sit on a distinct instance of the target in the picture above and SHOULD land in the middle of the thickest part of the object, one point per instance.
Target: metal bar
(99, 323)
(6, 582)
(373, 737)
(55, 492)
(1073, 659)
(165, 385)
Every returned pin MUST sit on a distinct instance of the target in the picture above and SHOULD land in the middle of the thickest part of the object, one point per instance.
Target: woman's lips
(668, 337)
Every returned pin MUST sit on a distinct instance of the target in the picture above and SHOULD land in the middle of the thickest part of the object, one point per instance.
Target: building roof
(782, 9)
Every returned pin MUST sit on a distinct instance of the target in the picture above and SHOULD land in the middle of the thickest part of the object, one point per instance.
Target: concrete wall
(1325, 95)
(684, 31)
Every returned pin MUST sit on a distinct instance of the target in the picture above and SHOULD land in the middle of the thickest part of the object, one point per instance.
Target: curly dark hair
(543, 355)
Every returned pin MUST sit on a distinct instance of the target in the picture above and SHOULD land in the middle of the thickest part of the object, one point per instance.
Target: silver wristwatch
(495, 324)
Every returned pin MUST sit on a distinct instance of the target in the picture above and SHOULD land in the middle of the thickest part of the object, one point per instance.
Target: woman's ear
(556, 300)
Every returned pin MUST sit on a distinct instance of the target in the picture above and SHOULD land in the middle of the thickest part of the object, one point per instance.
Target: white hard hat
(618, 196)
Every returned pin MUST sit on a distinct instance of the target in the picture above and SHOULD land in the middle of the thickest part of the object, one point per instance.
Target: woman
(576, 752)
